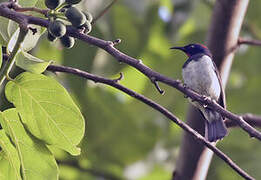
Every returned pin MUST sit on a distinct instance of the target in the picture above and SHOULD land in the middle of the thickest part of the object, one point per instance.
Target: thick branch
(109, 47)
(154, 105)
(121, 57)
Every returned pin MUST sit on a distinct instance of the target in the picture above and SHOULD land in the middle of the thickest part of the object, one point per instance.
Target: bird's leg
(206, 98)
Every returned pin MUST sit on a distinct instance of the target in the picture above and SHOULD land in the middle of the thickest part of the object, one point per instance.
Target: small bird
(200, 74)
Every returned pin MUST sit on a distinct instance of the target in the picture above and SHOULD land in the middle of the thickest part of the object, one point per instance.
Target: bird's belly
(201, 77)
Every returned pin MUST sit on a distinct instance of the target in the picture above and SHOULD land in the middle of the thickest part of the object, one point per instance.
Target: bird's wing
(222, 97)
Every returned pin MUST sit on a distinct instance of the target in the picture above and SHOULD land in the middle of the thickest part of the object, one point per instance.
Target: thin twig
(103, 12)
(154, 105)
(71, 31)
(252, 42)
(253, 120)
(121, 57)
(155, 82)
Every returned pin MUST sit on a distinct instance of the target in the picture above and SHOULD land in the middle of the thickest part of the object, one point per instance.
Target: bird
(200, 74)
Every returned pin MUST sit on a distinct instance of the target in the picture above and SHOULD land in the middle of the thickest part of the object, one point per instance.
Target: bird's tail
(215, 127)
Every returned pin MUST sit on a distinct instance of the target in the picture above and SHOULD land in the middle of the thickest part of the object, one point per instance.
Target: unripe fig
(88, 16)
(76, 17)
(52, 4)
(67, 41)
(57, 28)
(51, 37)
(72, 1)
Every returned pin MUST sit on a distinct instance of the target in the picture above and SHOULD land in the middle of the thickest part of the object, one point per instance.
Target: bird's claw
(206, 98)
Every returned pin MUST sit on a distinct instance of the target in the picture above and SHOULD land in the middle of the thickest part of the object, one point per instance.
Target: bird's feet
(206, 98)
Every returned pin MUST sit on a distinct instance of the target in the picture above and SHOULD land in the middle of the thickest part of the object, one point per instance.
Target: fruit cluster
(62, 12)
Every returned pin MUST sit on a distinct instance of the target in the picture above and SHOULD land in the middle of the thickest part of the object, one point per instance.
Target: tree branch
(108, 46)
(154, 105)
(251, 119)
(103, 12)
(252, 42)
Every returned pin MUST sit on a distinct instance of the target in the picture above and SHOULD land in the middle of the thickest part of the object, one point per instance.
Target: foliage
(45, 122)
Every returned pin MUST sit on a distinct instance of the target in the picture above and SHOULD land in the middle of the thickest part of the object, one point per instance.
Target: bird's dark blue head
(194, 49)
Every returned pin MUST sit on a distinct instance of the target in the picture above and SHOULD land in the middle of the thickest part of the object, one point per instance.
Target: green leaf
(2, 41)
(47, 110)
(26, 3)
(3, 30)
(12, 41)
(12, 27)
(31, 63)
(9, 159)
(37, 162)
(30, 40)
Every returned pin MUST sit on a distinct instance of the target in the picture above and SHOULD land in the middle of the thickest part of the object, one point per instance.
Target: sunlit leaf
(12, 41)
(47, 110)
(3, 30)
(12, 27)
(9, 160)
(26, 3)
(37, 162)
(31, 63)
(30, 39)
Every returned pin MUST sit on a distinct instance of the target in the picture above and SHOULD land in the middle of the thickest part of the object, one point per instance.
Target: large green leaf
(31, 63)
(47, 110)
(9, 159)
(37, 162)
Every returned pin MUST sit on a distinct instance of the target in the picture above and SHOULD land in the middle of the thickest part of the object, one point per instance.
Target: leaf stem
(8, 66)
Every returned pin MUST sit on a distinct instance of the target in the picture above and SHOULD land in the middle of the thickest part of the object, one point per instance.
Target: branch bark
(114, 83)
(154, 76)
(222, 39)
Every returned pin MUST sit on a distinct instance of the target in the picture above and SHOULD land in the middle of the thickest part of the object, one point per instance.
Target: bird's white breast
(200, 76)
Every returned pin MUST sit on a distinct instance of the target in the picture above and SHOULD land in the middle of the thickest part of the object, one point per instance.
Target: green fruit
(52, 4)
(72, 1)
(76, 17)
(67, 41)
(51, 37)
(57, 28)
(88, 16)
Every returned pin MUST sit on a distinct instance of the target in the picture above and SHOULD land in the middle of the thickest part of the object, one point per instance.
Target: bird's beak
(180, 48)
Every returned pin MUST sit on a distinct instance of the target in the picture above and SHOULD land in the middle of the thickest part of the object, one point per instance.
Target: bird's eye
(192, 46)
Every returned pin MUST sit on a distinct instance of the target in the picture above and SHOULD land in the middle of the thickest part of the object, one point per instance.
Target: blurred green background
(126, 139)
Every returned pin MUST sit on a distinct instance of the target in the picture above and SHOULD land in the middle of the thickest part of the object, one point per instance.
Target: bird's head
(193, 49)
